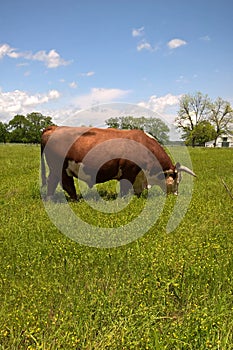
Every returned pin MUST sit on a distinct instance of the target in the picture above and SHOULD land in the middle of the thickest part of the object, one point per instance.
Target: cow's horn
(184, 169)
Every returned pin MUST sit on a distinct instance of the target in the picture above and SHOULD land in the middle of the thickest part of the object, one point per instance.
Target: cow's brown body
(99, 155)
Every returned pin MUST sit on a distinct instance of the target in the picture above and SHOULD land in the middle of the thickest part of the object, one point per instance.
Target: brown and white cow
(97, 155)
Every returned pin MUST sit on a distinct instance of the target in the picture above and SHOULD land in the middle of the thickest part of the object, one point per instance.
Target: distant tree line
(199, 119)
(154, 126)
(202, 120)
(27, 129)
(24, 129)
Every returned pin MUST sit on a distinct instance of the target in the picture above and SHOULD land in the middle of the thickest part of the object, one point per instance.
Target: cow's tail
(44, 139)
(42, 163)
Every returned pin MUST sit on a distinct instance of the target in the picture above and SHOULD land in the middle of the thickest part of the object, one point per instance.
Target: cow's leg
(52, 183)
(68, 185)
(140, 183)
(125, 187)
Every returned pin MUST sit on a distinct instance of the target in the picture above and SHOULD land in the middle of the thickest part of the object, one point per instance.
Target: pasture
(162, 291)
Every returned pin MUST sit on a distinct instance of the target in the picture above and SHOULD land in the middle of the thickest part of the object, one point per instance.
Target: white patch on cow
(171, 184)
(77, 169)
(149, 135)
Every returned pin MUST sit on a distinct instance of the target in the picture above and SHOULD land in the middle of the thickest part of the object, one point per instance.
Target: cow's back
(76, 142)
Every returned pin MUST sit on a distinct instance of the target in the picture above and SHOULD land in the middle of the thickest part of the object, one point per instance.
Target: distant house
(222, 141)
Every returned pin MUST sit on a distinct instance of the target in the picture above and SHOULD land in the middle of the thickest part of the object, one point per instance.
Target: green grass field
(162, 291)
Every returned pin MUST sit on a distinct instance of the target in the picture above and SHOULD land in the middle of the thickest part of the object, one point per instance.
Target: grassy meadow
(162, 291)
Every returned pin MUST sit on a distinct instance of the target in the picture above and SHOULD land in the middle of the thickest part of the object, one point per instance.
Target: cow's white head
(169, 180)
(173, 178)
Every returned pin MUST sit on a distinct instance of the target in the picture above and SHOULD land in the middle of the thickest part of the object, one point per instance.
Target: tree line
(28, 129)
(199, 118)
(24, 129)
(154, 126)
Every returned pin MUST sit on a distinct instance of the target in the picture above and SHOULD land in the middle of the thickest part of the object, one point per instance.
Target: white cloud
(89, 74)
(163, 105)
(138, 32)
(73, 85)
(144, 45)
(100, 95)
(53, 94)
(20, 102)
(14, 54)
(6, 50)
(175, 43)
(52, 59)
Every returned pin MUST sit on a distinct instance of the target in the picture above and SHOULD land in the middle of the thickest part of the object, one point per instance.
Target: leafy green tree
(130, 122)
(193, 110)
(202, 133)
(155, 126)
(127, 122)
(3, 132)
(18, 127)
(28, 129)
(37, 122)
(197, 108)
(113, 123)
(221, 117)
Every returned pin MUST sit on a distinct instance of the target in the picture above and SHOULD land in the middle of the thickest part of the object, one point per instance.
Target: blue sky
(60, 57)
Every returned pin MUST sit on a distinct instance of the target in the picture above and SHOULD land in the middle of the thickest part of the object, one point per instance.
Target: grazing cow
(98, 155)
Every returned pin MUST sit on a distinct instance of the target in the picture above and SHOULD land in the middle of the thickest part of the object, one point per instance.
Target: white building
(222, 141)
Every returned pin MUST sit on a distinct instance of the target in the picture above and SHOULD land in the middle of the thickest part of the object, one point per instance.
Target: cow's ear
(177, 166)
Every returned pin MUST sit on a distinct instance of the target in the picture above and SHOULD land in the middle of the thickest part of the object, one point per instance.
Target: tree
(221, 117)
(193, 110)
(197, 108)
(3, 132)
(28, 129)
(113, 123)
(202, 133)
(155, 126)
(130, 122)
(37, 122)
(18, 127)
(127, 122)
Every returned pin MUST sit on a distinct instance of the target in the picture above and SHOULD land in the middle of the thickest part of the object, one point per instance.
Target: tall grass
(162, 291)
